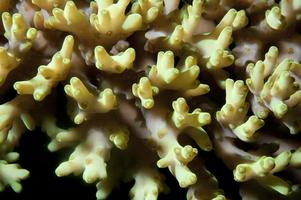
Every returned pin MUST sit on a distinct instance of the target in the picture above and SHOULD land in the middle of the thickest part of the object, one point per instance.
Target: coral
(49, 75)
(114, 64)
(18, 34)
(182, 118)
(87, 102)
(49, 4)
(143, 91)
(149, 9)
(14, 116)
(8, 62)
(11, 175)
(280, 92)
(165, 75)
(211, 48)
(233, 113)
(264, 167)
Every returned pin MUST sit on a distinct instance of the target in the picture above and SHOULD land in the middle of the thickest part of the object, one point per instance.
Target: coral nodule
(182, 82)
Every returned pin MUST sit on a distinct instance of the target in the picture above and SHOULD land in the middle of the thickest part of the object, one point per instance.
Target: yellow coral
(172, 154)
(183, 79)
(145, 92)
(19, 35)
(87, 102)
(149, 9)
(48, 76)
(274, 18)
(49, 126)
(280, 92)
(111, 20)
(147, 185)
(90, 160)
(114, 64)
(213, 46)
(11, 113)
(233, 113)
(8, 62)
(91, 155)
(182, 118)
(105, 27)
(49, 4)
(11, 174)
(206, 187)
(266, 166)
(183, 32)
(70, 20)
(107, 65)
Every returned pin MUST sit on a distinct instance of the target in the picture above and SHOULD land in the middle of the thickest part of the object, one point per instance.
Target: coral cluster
(148, 77)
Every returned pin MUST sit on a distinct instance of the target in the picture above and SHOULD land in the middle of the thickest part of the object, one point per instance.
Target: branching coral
(114, 64)
(165, 75)
(105, 27)
(264, 167)
(211, 47)
(233, 113)
(49, 4)
(11, 174)
(8, 62)
(91, 155)
(17, 33)
(172, 154)
(280, 93)
(145, 92)
(149, 9)
(87, 102)
(144, 84)
(49, 76)
(13, 113)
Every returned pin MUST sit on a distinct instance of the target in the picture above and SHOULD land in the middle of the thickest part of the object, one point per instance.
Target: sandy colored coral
(207, 89)
(165, 75)
(49, 75)
(87, 102)
(280, 92)
(234, 113)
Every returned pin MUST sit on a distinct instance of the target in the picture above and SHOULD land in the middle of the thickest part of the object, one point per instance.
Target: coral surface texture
(136, 92)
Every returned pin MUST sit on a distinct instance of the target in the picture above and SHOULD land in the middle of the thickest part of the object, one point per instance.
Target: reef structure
(150, 77)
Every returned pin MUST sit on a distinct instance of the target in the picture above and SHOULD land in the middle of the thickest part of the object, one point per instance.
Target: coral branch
(11, 174)
(91, 155)
(19, 35)
(233, 113)
(49, 4)
(87, 102)
(145, 92)
(182, 118)
(149, 9)
(148, 184)
(114, 64)
(183, 79)
(72, 20)
(263, 168)
(50, 75)
(12, 113)
(280, 93)
(8, 62)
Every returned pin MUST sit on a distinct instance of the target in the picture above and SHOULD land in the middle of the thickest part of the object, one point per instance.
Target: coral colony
(163, 78)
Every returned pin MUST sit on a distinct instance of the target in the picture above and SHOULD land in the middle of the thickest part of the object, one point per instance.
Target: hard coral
(148, 77)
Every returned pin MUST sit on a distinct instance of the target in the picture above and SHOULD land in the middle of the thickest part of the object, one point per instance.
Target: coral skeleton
(205, 92)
